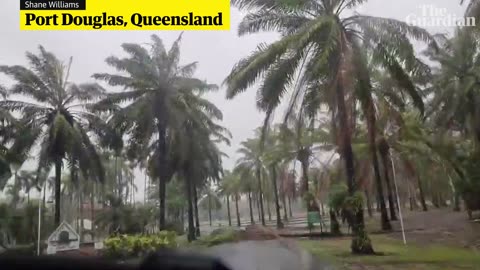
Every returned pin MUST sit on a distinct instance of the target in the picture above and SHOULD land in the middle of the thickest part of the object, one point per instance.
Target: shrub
(175, 226)
(22, 250)
(219, 237)
(127, 246)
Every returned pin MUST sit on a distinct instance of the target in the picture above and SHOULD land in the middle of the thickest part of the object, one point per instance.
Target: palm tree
(273, 158)
(155, 83)
(8, 129)
(194, 146)
(251, 163)
(473, 8)
(231, 185)
(246, 185)
(321, 44)
(226, 190)
(56, 119)
(27, 180)
(456, 84)
(210, 202)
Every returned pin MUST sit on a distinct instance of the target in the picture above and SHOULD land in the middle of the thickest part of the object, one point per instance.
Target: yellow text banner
(124, 14)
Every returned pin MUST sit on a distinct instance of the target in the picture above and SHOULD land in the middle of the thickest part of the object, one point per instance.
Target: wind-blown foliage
(148, 111)
(55, 119)
(324, 47)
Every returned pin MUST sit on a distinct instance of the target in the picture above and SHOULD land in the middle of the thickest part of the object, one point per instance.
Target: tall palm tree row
(326, 47)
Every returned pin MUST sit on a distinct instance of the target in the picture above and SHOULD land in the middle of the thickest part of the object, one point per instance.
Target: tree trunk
(456, 202)
(442, 200)
(256, 201)
(435, 200)
(182, 219)
(269, 212)
(162, 195)
(92, 211)
(290, 206)
(284, 203)
(116, 177)
(44, 201)
(145, 190)
(58, 191)
(250, 207)
(210, 210)
(360, 242)
(386, 168)
(188, 191)
(305, 165)
(334, 226)
(81, 217)
(377, 204)
(369, 203)
(197, 218)
(260, 191)
(371, 126)
(422, 195)
(237, 211)
(133, 190)
(228, 212)
(275, 194)
(163, 168)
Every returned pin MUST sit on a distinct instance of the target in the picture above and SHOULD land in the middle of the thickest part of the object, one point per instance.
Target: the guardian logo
(432, 16)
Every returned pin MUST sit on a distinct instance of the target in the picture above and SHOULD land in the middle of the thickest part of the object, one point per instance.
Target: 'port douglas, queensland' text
(139, 20)
(124, 14)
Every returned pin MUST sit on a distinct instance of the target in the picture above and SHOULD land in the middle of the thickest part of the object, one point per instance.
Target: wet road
(266, 255)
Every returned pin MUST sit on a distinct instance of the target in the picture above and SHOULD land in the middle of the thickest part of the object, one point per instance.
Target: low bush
(128, 246)
(219, 237)
(22, 250)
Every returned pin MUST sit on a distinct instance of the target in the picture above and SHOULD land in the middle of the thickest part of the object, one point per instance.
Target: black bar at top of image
(52, 4)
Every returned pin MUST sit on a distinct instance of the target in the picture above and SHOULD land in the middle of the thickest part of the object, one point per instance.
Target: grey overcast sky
(216, 52)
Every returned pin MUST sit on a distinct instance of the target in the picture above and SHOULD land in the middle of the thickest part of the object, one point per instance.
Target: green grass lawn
(395, 255)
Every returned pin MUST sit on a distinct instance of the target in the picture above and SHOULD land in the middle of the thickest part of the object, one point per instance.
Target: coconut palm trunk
(304, 155)
(412, 198)
(275, 194)
(290, 206)
(163, 167)
(260, 192)
(58, 190)
(210, 210)
(195, 200)
(237, 211)
(334, 225)
(257, 204)
(269, 212)
(456, 202)
(360, 242)
(284, 201)
(391, 202)
(252, 221)
(422, 194)
(92, 209)
(145, 188)
(369, 109)
(369, 203)
(228, 212)
(189, 191)
(81, 216)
